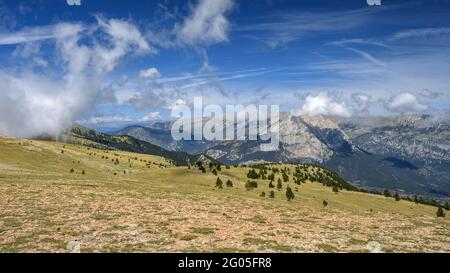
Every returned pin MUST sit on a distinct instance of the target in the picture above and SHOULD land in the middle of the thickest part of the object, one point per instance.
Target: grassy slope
(159, 207)
(87, 137)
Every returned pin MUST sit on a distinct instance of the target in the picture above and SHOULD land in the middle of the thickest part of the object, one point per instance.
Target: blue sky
(111, 63)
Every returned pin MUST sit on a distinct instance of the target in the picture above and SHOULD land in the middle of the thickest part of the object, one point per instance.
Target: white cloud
(362, 101)
(125, 37)
(207, 23)
(177, 107)
(322, 104)
(106, 119)
(123, 96)
(406, 103)
(33, 103)
(150, 117)
(73, 2)
(150, 73)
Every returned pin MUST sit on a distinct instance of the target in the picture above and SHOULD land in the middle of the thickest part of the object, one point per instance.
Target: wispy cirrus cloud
(287, 27)
(366, 56)
(30, 34)
(359, 41)
(421, 33)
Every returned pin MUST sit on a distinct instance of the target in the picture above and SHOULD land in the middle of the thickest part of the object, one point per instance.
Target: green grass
(188, 237)
(204, 231)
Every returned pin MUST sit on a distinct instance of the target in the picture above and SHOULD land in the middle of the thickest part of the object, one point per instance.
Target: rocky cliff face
(424, 139)
(311, 138)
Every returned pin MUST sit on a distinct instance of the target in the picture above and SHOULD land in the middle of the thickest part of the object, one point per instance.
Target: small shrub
(250, 185)
(325, 203)
(229, 183)
(397, 197)
(335, 189)
(447, 206)
(272, 194)
(440, 212)
(72, 170)
(263, 194)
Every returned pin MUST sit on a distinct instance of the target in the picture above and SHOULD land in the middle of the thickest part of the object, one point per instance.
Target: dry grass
(155, 207)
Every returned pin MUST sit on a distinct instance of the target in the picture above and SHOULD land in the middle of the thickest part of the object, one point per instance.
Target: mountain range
(409, 153)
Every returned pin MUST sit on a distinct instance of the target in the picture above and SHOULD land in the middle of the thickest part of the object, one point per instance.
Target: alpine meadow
(224, 126)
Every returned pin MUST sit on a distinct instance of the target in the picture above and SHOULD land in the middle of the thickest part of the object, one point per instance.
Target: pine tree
(252, 174)
(289, 194)
(387, 193)
(440, 212)
(397, 197)
(285, 177)
(279, 184)
(271, 185)
(219, 183)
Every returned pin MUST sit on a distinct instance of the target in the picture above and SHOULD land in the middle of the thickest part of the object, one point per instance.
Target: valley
(408, 153)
